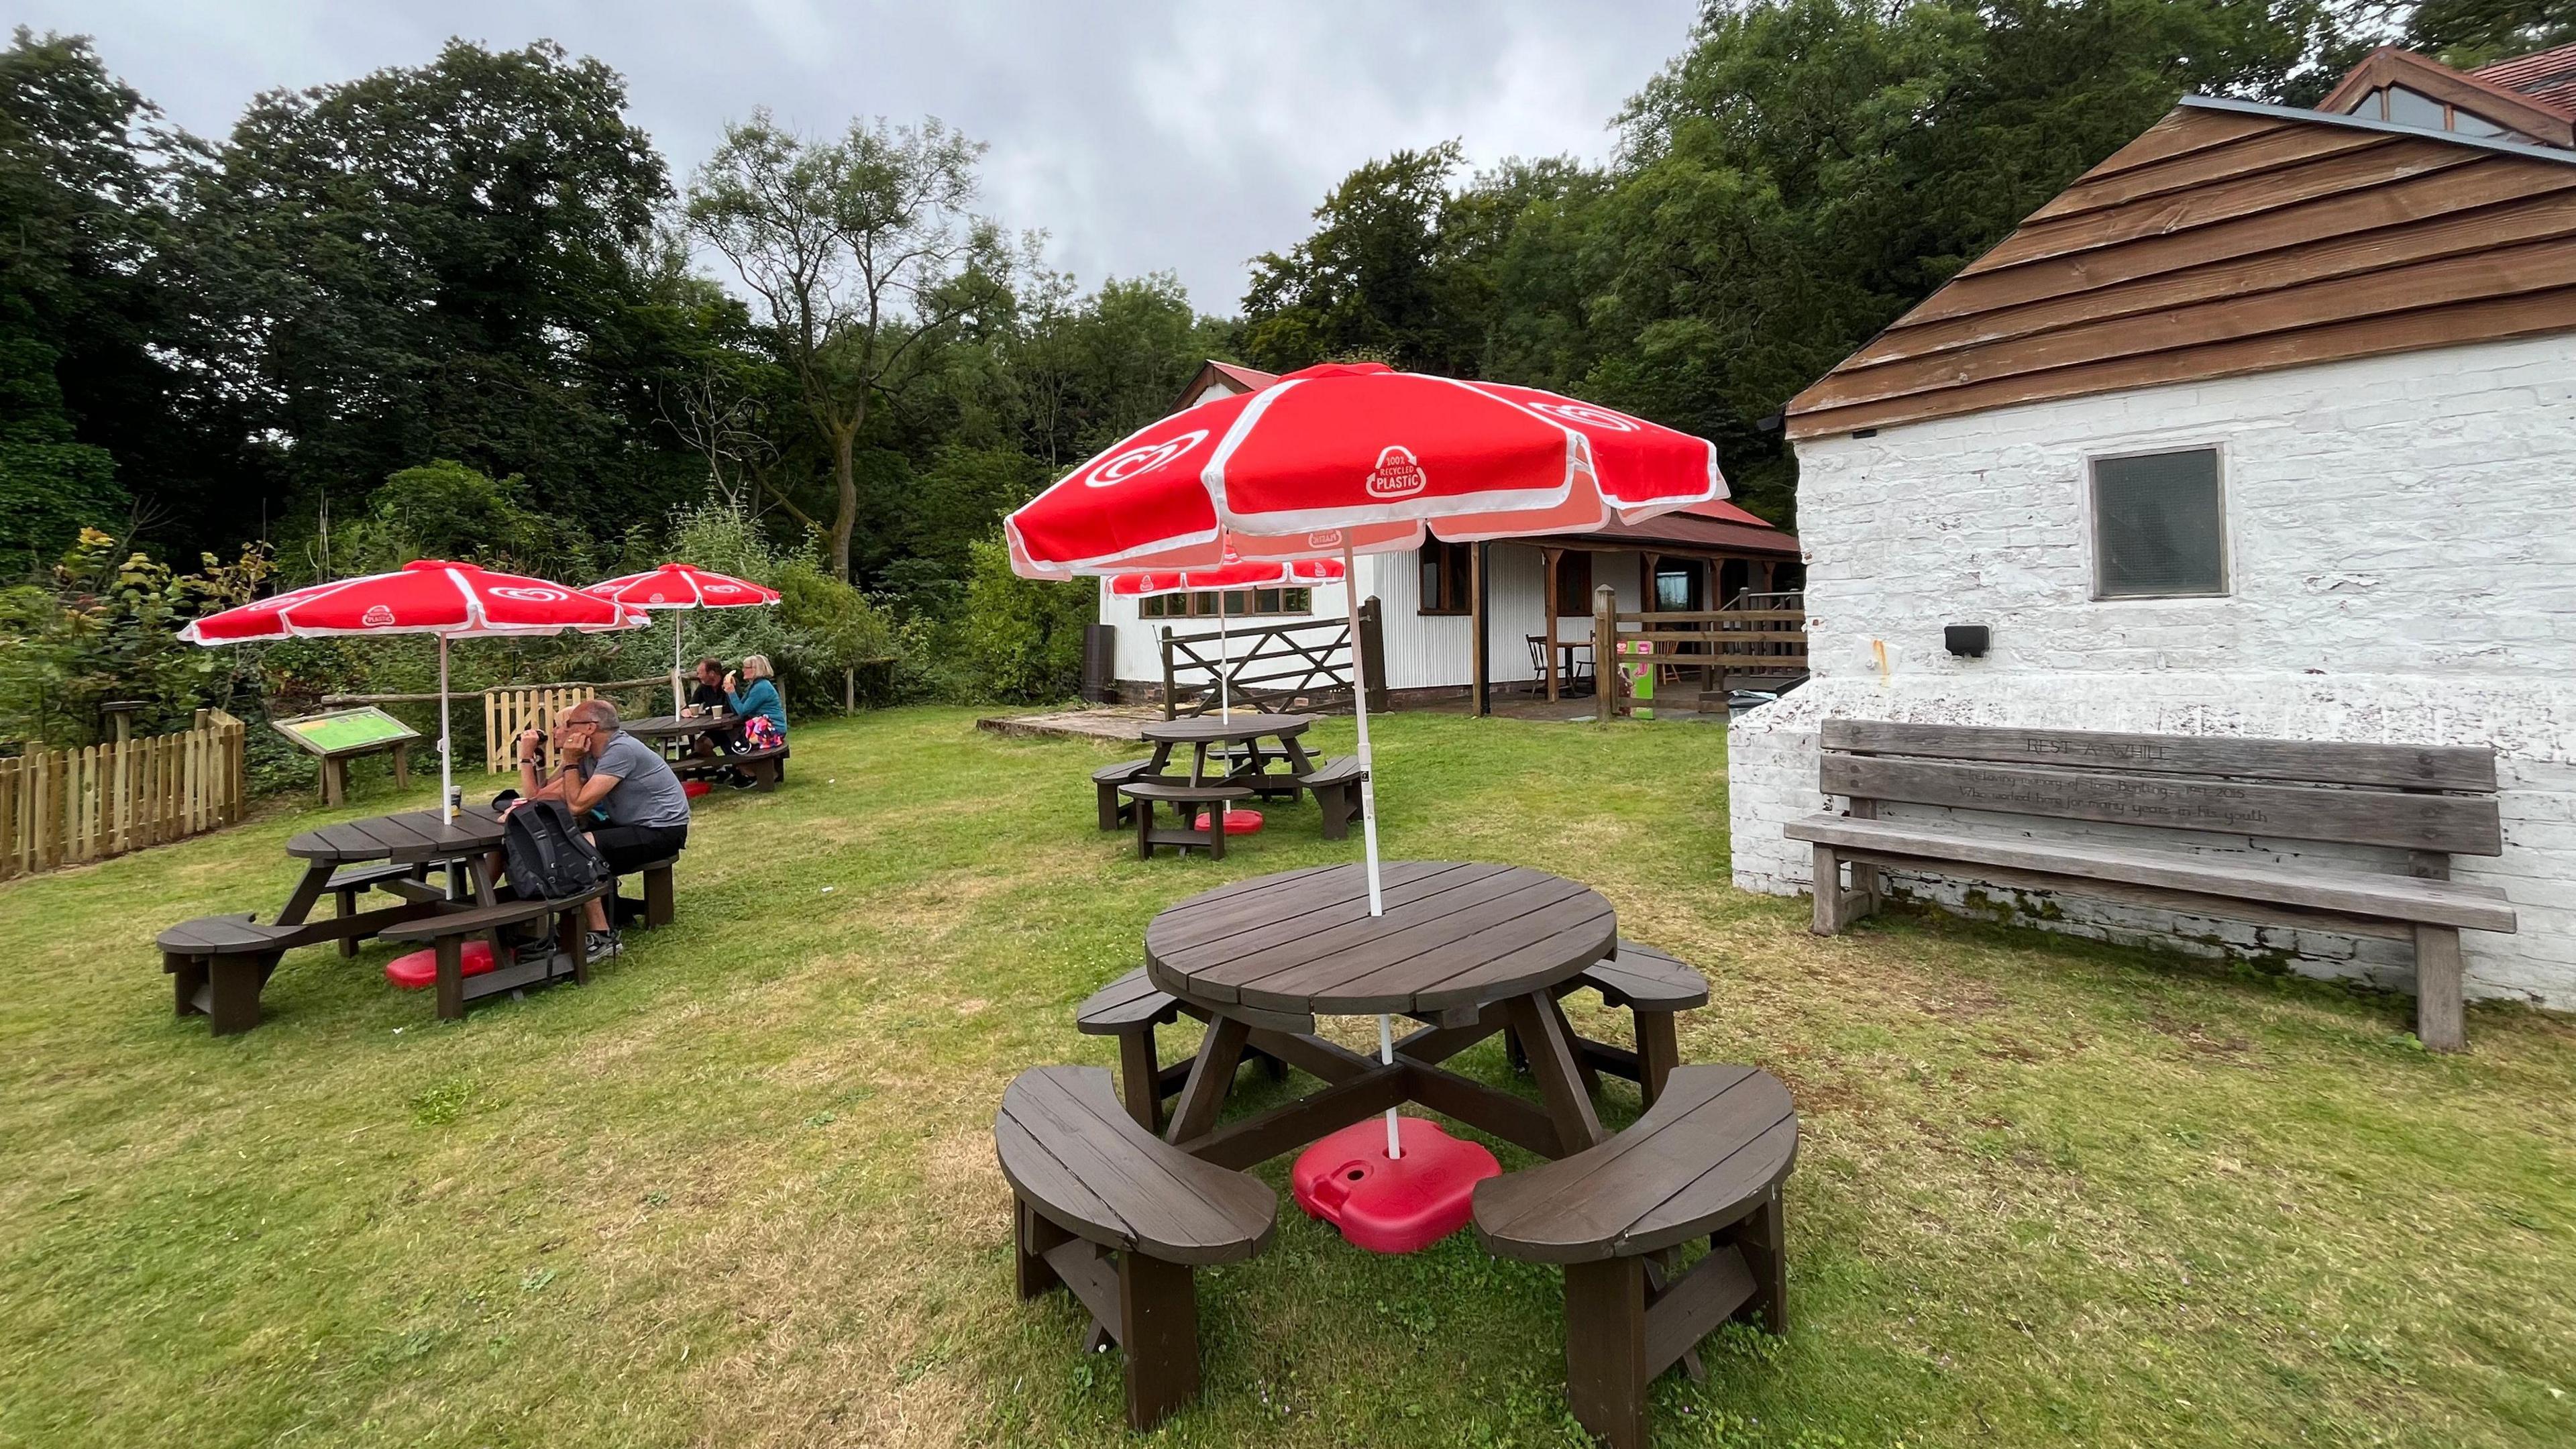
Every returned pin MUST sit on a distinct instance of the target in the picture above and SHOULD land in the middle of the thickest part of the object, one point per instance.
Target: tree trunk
(845, 517)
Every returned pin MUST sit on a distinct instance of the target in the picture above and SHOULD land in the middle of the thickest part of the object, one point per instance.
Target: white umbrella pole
(1359, 697)
(1368, 806)
(1224, 664)
(676, 701)
(446, 762)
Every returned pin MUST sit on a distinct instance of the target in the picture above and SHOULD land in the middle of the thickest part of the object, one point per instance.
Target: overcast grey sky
(1141, 136)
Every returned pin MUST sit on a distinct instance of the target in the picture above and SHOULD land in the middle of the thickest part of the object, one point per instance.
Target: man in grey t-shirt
(611, 771)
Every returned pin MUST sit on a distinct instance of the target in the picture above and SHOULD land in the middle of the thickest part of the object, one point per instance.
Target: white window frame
(2093, 522)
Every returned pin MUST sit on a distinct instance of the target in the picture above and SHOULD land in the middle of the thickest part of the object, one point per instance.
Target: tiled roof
(2548, 76)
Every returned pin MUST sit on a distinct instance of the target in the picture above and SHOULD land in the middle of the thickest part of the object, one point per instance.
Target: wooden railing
(1743, 638)
(1276, 666)
(68, 807)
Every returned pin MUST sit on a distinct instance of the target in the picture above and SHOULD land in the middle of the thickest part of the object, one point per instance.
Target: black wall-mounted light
(1968, 641)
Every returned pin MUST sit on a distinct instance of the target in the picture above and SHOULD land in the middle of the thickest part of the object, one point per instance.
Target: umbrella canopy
(451, 600)
(682, 586)
(1357, 458)
(1218, 578)
(432, 596)
(1245, 574)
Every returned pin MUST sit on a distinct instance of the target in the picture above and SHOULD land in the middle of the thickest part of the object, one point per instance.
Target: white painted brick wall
(2403, 540)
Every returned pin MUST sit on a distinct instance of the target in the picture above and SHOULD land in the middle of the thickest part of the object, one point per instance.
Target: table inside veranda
(1242, 758)
(1465, 949)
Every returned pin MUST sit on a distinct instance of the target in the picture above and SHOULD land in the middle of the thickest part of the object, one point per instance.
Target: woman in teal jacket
(752, 690)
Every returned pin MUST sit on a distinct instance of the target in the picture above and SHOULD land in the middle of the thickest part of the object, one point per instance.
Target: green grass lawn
(741, 1189)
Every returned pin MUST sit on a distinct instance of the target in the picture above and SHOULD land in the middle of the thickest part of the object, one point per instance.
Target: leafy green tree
(450, 261)
(863, 259)
(2470, 33)
(1371, 278)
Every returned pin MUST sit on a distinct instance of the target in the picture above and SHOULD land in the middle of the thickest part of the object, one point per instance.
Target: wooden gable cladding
(2230, 238)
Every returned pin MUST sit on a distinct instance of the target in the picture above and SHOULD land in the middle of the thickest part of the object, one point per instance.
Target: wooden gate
(66, 807)
(1275, 666)
(509, 710)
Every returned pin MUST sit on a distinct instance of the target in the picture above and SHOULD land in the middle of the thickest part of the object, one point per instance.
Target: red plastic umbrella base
(1237, 822)
(420, 968)
(1391, 1205)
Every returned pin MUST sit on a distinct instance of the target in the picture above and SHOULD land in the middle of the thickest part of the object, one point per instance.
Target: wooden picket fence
(68, 807)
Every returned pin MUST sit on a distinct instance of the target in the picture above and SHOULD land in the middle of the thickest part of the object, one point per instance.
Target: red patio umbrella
(1358, 458)
(1243, 574)
(678, 586)
(450, 600)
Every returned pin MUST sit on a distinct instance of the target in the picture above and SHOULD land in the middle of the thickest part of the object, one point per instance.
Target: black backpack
(547, 859)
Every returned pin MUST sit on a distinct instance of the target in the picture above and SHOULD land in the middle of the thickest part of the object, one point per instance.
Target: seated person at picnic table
(709, 692)
(623, 778)
(752, 691)
(708, 696)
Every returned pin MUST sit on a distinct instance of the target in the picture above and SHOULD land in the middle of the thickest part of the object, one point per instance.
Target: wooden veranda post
(1547, 605)
(1479, 667)
(1372, 647)
(1605, 646)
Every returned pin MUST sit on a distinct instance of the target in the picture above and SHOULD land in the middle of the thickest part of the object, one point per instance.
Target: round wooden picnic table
(1468, 949)
(663, 729)
(1247, 728)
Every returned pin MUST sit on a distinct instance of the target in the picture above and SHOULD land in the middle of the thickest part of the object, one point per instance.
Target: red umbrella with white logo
(1244, 574)
(677, 586)
(1344, 459)
(450, 600)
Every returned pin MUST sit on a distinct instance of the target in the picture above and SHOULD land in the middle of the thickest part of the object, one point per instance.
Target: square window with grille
(2159, 526)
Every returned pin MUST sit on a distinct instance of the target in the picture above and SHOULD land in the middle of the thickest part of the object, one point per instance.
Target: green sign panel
(347, 731)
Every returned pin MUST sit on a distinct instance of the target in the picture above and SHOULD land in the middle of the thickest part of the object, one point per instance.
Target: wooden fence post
(1605, 653)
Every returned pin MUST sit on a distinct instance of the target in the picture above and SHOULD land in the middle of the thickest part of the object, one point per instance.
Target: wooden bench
(1706, 1160)
(446, 934)
(409, 882)
(767, 768)
(1654, 987)
(1115, 811)
(658, 906)
(2432, 802)
(1335, 785)
(1187, 799)
(1104, 1209)
(219, 964)
(1129, 1009)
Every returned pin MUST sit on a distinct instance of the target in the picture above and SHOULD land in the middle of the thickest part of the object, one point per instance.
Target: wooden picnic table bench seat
(657, 908)
(1707, 1160)
(1129, 1009)
(218, 965)
(1335, 784)
(1114, 810)
(2430, 802)
(1653, 987)
(1188, 801)
(1104, 1208)
(446, 934)
(407, 881)
(767, 768)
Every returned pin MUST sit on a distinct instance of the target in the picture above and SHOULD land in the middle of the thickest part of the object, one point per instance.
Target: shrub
(1021, 639)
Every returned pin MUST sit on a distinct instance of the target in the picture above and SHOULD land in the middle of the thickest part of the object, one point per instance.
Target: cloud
(1180, 135)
